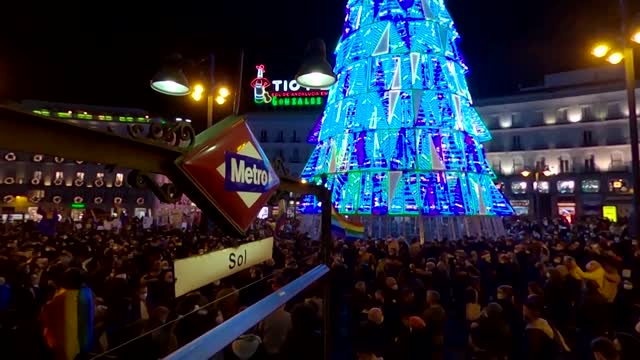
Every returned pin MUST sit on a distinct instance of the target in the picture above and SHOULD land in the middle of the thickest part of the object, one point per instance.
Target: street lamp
(616, 57)
(315, 71)
(546, 172)
(170, 80)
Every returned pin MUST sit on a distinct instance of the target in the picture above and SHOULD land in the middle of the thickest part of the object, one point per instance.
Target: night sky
(105, 53)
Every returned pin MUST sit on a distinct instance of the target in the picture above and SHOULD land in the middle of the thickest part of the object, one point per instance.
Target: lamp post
(536, 176)
(170, 80)
(614, 56)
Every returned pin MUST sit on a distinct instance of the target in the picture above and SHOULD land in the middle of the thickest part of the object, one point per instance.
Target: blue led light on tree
(399, 135)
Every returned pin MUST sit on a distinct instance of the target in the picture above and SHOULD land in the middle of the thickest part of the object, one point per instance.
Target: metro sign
(227, 166)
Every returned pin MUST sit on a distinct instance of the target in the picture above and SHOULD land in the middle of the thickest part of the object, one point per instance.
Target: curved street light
(170, 80)
(315, 71)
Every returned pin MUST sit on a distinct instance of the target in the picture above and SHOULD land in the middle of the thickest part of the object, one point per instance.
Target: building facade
(572, 134)
(73, 188)
(283, 136)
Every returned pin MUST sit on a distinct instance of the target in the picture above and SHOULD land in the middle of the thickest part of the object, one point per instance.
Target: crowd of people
(79, 292)
(548, 290)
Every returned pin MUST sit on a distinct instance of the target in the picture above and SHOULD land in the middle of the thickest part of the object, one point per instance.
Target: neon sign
(284, 92)
(260, 85)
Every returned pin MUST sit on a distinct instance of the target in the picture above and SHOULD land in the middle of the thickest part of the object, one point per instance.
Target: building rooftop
(565, 84)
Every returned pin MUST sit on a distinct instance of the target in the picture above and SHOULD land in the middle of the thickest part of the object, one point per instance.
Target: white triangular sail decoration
(332, 162)
(339, 112)
(393, 101)
(373, 122)
(427, 10)
(458, 113)
(444, 37)
(482, 208)
(417, 101)
(454, 74)
(376, 145)
(394, 177)
(415, 59)
(383, 45)
(436, 162)
(397, 75)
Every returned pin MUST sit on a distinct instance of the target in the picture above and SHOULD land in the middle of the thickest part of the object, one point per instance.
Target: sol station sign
(198, 271)
(288, 93)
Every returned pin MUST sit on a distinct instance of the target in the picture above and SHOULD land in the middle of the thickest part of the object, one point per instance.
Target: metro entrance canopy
(223, 170)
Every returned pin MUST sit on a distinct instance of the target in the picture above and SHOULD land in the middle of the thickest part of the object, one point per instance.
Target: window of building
(518, 165)
(294, 137)
(80, 176)
(541, 164)
(264, 136)
(614, 111)
(587, 113)
(515, 120)
(119, 180)
(617, 163)
(494, 120)
(295, 158)
(516, 145)
(619, 186)
(519, 187)
(541, 187)
(564, 165)
(280, 136)
(590, 186)
(566, 186)
(497, 166)
(587, 138)
(280, 154)
(590, 164)
(59, 175)
(563, 115)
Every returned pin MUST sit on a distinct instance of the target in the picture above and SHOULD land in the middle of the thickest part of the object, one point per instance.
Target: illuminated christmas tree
(399, 135)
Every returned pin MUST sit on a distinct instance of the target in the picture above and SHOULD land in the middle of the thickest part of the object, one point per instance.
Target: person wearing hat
(245, 347)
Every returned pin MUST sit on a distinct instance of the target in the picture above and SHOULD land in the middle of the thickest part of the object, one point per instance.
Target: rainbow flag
(348, 229)
(68, 323)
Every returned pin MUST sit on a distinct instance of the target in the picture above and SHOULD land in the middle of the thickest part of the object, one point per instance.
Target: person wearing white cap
(246, 346)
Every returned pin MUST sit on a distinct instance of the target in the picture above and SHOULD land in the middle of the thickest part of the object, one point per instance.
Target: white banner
(197, 271)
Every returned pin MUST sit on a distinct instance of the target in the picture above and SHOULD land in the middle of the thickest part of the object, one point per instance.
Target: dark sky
(106, 52)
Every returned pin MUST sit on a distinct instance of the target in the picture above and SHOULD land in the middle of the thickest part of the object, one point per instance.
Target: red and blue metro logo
(227, 166)
(245, 173)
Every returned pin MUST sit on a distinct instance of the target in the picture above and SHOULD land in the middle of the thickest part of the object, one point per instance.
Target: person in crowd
(435, 318)
(375, 335)
(604, 349)
(304, 340)
(541, 340)
(490, 337)
(411, 341)
(68, 318)
(274, 329)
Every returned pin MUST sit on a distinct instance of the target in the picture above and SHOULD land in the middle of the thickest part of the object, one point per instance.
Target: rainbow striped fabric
(343, 227)
(68, 322)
